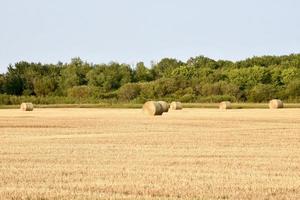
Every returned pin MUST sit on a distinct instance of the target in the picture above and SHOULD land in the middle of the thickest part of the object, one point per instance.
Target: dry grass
(124, 154)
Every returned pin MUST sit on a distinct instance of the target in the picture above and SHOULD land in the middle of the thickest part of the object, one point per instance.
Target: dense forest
(200, 79)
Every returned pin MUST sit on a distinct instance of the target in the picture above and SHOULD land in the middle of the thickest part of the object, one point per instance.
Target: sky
(129, 31)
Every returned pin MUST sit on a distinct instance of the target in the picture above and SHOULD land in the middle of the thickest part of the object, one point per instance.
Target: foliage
(261, 92)
(142, 73)
(129, 91)
(80, 92)
(200, 79)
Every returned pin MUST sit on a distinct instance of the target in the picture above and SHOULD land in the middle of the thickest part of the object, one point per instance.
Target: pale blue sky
(101, 31)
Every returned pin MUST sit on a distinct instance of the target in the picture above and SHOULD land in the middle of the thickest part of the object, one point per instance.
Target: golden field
(124, 154)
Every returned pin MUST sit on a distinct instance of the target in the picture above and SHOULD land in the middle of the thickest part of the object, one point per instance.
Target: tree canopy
(200, 79)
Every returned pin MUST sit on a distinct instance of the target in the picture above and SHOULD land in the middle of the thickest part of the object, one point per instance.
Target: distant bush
(261, 93)
(187, 98)
(293, 89)
(129, 91)
(5, 99)
(147, 90)
(80, 92)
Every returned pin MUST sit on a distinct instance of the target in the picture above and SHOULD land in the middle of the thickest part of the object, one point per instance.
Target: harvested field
(125, 154)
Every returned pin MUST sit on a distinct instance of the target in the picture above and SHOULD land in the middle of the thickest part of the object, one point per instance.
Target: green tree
(261, 93)
(246, 78)
(148, 90)
(44, 86)
(142, 73)
(203, 62)
(125, 74)
(2, 84)
(129, 91)
(293, 89)
(290, 74)
(186, 94)
(74, 74)
(185, 72)
(165, 87)
(165, 67)
(14, 81)
(201, 78)
(276, 76)
(109, 77)
(80, 92)
(96, 77)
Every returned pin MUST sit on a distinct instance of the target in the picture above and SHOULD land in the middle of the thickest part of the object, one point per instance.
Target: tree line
(200, 79)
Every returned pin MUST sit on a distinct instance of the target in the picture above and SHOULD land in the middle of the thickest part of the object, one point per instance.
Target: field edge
(137, 106)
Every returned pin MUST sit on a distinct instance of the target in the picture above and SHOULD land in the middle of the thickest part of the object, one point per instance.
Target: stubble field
(124, 154)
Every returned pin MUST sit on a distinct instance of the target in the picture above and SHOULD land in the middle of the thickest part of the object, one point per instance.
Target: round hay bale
(152, 108)
(27, 106)
(165, 106)
(275, 104)
(225, 105)
(175, 105)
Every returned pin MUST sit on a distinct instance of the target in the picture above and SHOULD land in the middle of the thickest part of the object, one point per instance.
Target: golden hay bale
(152, 108)
(175, 105)
(27, 106)
(275, 104)
(165, 106)
(225, 105)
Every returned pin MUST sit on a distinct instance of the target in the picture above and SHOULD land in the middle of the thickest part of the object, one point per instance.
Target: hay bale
(165, 106)
(275, 104)
(225, 105)
(27, 106)
(152, 108)
(175, 105)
